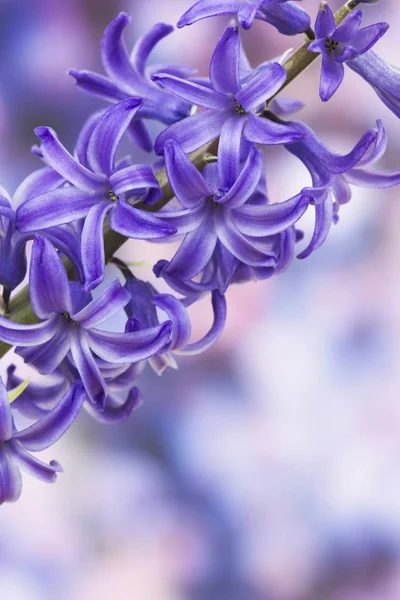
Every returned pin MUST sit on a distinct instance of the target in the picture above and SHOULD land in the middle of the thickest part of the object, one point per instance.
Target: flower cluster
(214, 204)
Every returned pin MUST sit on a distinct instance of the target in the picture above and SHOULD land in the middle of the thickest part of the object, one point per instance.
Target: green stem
(20, 310)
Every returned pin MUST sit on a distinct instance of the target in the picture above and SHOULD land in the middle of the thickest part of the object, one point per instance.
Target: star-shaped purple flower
(128, 76)
(340, 44)
(232, 103)
(70, 325)
(216, 211)
(98, 188)
(286, 16)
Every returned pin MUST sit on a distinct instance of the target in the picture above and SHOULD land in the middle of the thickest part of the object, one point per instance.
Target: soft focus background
(267, 468)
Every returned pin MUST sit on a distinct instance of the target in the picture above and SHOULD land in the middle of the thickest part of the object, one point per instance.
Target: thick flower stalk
(203, 189)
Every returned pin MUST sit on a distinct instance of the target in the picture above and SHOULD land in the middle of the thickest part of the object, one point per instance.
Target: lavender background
(268, 467)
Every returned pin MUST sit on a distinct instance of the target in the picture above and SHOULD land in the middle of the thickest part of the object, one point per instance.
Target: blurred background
(267, 468)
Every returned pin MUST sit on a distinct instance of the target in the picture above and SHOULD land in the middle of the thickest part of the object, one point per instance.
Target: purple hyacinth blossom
(15, 446)
(285, 15)
(328, 172)
(70, 325)
(215, 212)
(98, 188)
(232, 103)
(128, 76)
(383, 77)
(340, 44)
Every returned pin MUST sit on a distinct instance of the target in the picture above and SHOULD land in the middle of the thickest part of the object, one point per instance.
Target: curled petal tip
(44, 133)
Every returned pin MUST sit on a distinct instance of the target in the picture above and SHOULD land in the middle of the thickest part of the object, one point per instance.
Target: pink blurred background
(268, 467)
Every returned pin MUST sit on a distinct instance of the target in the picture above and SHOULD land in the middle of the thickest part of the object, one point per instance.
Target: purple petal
(117, 413)
(368, 36)
(87, 368)
(10, 477)
(55, 208)
(373, 179)
(186, 181)
(82, 142)
(61, 161)
(48, 281)
(146, 44)
(68, 241)
(265, 131)
(261, 221)
(184, 220)
(177, 313)
(224, 66)
(138, 224)
(285, 106)
(238, 245)
(93, 245)
(48, 430)
(114, 55)
(229, 151)
(133, 178)
(96, 84)
(219, 309)
(323, 222)
(6, 421)
(246, 183)
(34, 466)
(110, 301)
(108, 133)
(261, 87)
(195, 250)
(47, 357)
(17, 334)
(287, 17)
(209, 8)
(129, 347)
(325, 22)
(332, 74)
(194, 131)
(36, 183)
(192, 92)
(348, 27)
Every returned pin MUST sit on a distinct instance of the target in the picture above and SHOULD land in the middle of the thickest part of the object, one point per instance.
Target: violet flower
(15, 446)
(215, 209)
(339, 44)
(70, 326)
(98, 188)
(128, 76)
(232, 103)
(328, 173)
(383, 77)
(286, 16)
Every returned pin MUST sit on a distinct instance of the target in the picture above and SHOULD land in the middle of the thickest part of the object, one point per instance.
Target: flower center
(67, 316)
(331, 45)
(113, 196)
(239, 109)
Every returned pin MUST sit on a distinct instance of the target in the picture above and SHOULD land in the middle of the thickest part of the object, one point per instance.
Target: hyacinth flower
(383, 77)
(328, 172)
(232, 104)
(15, 446)
(341, 44)
(70, 325)
(128, 76)
(142, 312)
(285, 15)
(98, 188)
(215, 209)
